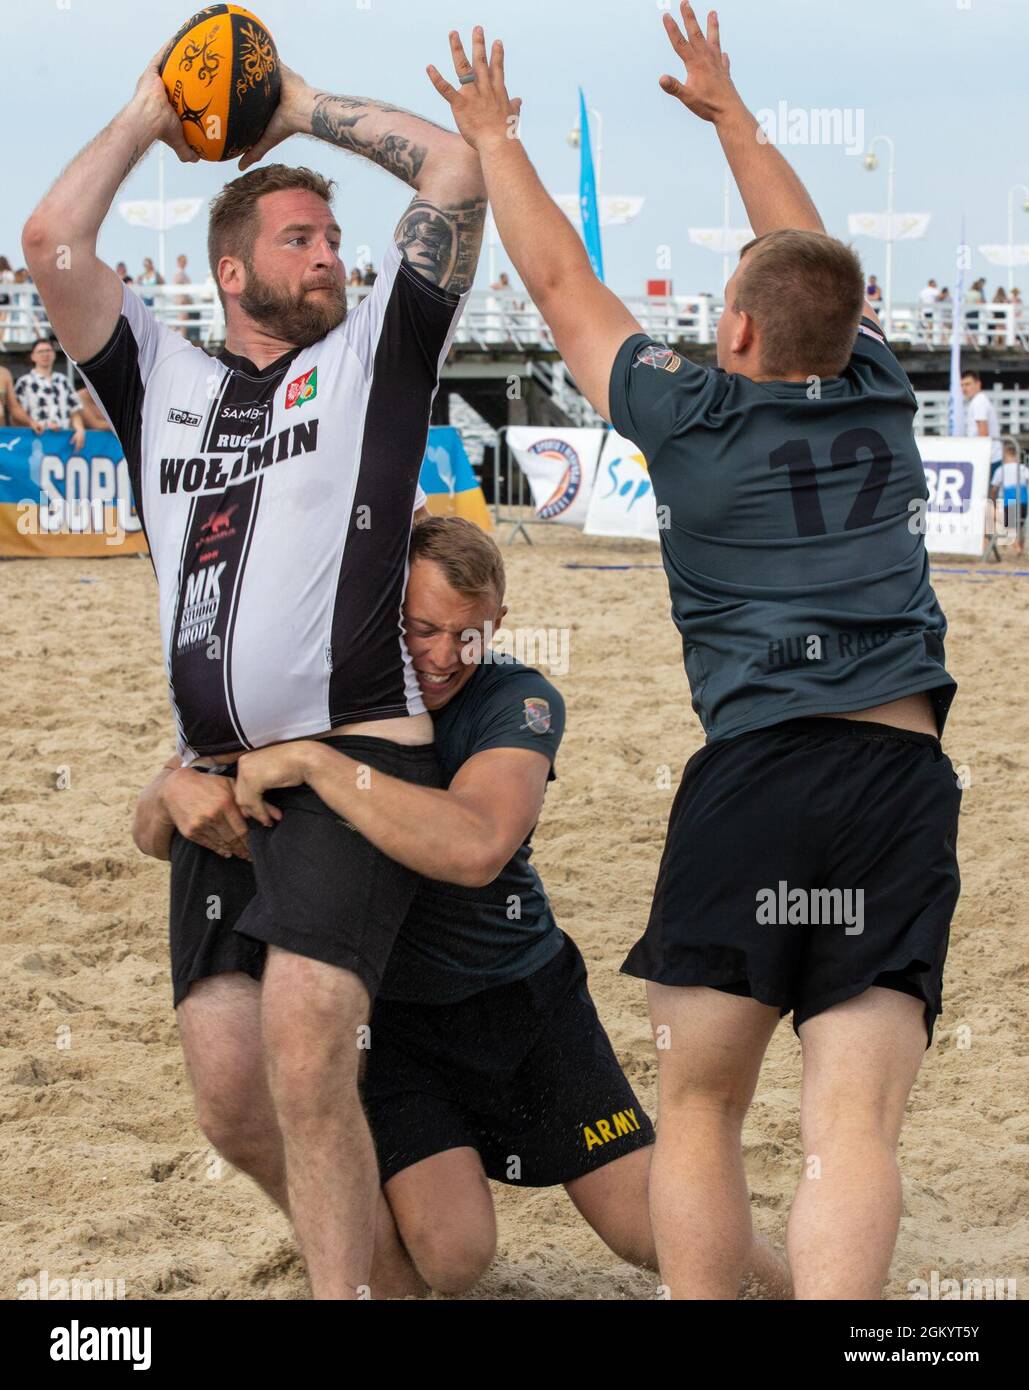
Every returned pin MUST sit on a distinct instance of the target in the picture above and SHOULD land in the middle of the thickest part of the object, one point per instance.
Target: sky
(943, 78)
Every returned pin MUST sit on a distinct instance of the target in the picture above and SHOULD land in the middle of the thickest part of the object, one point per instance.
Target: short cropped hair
(233, 221)
(805, 292)
(469, 559)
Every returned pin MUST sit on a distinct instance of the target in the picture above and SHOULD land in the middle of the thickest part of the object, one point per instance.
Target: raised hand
(482, 109)
(158, 116)
(290, 117)
(708, 90)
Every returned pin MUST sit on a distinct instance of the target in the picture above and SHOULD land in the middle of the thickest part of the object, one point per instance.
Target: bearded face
(300, 317)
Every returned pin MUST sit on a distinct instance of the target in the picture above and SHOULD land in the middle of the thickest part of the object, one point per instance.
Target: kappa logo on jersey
(183, 417)
(201, 601)
(537, 715)
(663, 358)
(302, 388)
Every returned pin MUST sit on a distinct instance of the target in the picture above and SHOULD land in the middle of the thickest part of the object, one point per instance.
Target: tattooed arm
(83, 296)
(441, 231)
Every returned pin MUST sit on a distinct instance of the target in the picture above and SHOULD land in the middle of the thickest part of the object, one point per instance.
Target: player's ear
(743, 338)
(232, 276)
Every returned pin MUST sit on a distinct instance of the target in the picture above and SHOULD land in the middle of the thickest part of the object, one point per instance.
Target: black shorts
(316, 886)
(816, 805)
(523, 1073)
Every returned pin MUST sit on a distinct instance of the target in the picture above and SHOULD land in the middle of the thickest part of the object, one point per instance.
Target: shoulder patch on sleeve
(537, 714)
(661, 358)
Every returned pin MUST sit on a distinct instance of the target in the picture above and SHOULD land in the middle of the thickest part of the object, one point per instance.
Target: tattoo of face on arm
(442, 243)
(336, 119)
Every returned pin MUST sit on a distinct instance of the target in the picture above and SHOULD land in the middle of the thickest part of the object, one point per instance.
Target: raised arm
(82, 295)
(463, 835)
(441, 231)
(772, 193)
(588, 322)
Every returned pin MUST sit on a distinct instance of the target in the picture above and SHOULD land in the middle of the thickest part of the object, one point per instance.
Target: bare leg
(615, 1201)
(444, 1212)
(860, 1062)
(699, 1200)
(310, 1013)
(220, 1030)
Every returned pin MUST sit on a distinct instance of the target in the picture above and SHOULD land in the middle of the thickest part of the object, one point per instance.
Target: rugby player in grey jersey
(789, 489)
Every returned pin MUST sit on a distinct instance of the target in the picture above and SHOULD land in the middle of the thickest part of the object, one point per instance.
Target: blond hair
(469, 559)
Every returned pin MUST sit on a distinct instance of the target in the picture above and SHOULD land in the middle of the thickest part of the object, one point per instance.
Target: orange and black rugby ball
(221, 72)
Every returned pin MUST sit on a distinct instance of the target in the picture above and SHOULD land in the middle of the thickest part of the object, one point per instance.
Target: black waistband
(349, 743)
(836, 726)
(412, 754)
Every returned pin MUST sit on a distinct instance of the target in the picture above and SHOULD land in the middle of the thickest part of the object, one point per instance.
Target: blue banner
(588, 206)
(54, 501)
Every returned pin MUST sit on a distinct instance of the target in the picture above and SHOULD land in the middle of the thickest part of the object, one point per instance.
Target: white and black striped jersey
(277, 505)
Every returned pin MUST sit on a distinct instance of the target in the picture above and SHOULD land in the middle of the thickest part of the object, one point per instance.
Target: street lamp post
(1011, 229)
(871, 163)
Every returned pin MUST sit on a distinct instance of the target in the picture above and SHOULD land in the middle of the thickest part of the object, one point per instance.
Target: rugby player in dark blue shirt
(810, 865)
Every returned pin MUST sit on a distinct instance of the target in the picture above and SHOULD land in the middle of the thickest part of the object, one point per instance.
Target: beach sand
(104, 1172)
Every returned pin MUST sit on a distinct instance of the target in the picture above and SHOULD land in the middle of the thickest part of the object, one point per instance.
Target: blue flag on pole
(956, 404)
(588, 208)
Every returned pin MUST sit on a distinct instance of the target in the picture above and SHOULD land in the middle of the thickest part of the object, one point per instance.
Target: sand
(104, 1172)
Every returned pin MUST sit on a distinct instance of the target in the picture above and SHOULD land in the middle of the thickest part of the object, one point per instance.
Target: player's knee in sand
(444, 1213)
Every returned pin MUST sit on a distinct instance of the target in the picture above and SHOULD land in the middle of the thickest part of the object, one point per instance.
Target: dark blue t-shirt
(457, 941)
(790, 531)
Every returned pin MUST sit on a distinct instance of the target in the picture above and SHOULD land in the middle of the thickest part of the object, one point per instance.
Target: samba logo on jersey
(302, 389)
(571, 480)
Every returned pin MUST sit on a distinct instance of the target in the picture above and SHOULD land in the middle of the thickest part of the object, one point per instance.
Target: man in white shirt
(927, 298)
(981, 421)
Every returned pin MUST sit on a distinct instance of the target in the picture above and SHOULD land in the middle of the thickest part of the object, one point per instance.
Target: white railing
(1011, 405)
(511, 320)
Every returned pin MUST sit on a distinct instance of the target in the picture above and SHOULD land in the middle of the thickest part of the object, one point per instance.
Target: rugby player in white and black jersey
(276, 484)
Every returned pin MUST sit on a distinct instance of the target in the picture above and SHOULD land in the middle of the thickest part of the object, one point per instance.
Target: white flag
(1006, 255)
(616, 209)
(146, 212)
(724, 240)
(907, 226)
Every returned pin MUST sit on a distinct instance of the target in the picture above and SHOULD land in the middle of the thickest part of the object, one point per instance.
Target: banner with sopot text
(55, 502)
(560, 465)
(622, 502)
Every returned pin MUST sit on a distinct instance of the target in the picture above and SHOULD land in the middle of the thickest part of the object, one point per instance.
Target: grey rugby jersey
(277, 505)
(788, 518)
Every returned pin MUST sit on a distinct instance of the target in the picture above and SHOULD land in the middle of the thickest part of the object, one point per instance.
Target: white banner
(560, 465)
(957, 473)
(615, 208)
(146, 212)
(724, 240)
(907, 226)
(623, 495)
(1018, 254)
